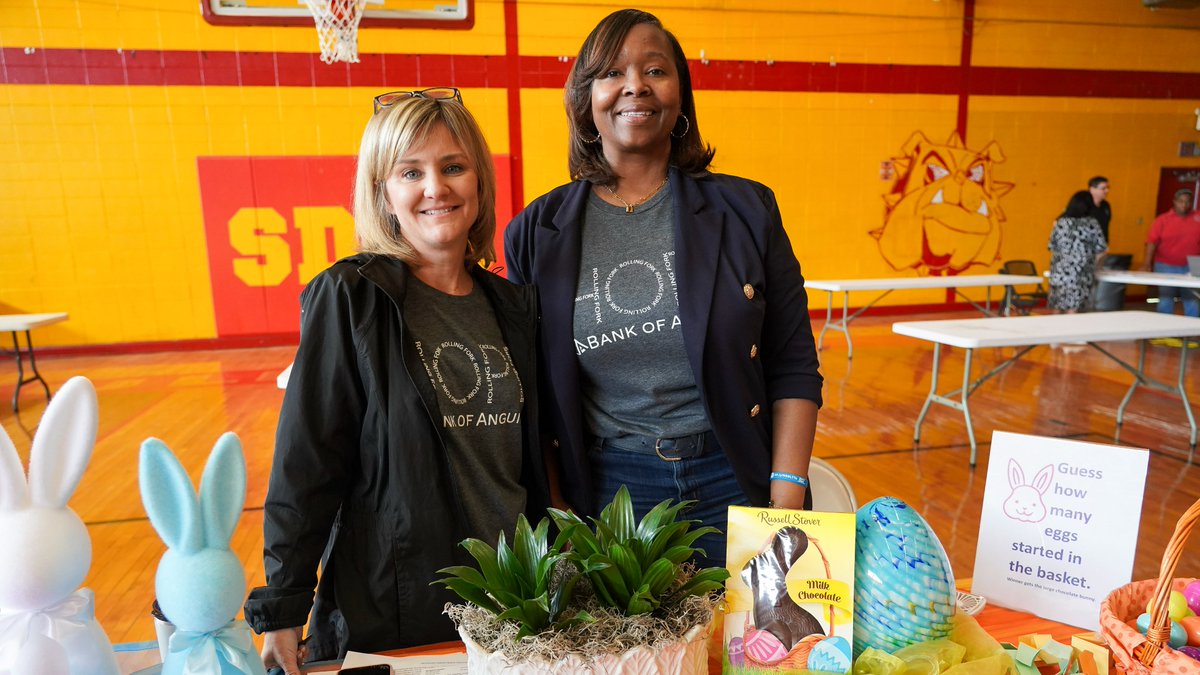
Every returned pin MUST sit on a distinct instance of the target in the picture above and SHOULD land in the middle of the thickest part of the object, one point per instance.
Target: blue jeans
(1166, 294)
(707, 479)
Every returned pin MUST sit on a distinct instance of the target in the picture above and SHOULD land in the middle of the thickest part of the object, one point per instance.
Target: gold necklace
(629, 207)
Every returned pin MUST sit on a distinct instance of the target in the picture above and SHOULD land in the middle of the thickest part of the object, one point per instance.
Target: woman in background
(1077, 247)
(406, 426)
(677, 346)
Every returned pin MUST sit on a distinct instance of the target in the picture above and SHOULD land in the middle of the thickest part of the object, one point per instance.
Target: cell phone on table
(382, 669)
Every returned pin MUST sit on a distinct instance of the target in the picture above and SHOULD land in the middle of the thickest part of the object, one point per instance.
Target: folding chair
(1018, 301)
(831, 491)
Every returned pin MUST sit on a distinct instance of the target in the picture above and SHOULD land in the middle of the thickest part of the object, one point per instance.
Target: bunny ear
(1016, 477)
(1041, 482)
(223, 490)
(169, 498)
(63, 443)
(14, 494)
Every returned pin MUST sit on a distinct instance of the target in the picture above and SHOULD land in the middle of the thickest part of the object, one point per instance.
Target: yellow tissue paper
(969, 650)
(944, 653)
(878, 662)
(968, 633)
(989, 665)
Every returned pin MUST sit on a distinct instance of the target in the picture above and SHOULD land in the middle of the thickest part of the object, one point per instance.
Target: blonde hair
(389, 135)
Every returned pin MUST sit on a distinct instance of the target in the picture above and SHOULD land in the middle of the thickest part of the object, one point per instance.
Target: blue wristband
(789, 477)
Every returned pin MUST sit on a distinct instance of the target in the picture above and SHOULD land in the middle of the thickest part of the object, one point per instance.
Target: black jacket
(360, 479)
(742, 302)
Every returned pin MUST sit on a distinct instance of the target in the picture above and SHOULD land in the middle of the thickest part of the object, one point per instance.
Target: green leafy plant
(632, 567)
(515, 583)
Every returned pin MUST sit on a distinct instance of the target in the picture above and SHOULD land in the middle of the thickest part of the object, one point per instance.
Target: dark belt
(667, 449)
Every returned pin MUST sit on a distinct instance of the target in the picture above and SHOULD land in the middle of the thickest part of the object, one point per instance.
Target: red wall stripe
(516, 156)
(166, 68)
(964, 65)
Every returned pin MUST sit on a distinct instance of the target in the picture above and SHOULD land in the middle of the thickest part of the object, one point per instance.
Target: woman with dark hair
(409, 422)
(675, 336)
(1077, 247)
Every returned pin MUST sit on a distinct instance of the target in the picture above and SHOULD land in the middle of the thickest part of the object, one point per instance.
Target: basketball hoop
(337, 28)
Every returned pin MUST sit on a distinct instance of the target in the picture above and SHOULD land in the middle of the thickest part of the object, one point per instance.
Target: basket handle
(1160, 627)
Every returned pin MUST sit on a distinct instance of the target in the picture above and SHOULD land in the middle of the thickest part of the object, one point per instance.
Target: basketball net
(337, 28)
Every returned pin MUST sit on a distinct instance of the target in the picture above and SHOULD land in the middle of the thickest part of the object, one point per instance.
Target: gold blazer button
(749, 291)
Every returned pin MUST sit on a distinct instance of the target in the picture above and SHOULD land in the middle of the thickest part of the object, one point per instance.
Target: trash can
(1110, 297)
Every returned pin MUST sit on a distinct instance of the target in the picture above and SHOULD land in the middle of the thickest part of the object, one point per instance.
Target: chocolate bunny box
(790, 594)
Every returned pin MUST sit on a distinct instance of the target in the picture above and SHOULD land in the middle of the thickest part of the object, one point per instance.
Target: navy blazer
(742, 304)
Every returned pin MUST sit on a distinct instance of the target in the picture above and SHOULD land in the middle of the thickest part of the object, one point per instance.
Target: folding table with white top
(887, 285)
(17, 323)
(1027, 332)
(1141, 278)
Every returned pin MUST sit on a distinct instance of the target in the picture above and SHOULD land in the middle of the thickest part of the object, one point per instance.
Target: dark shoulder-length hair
(1079, 206)
(586, 160)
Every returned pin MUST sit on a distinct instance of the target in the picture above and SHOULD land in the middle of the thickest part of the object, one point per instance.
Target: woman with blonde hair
(409, 418)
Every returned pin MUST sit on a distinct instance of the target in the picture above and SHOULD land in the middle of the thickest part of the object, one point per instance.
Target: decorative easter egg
(903, 583)
(1191, 626)
(831, 655)
(737, 652)
(1177, 606)
(764, 647)
(1179, 635)
(1191, 593)
(1193, 652)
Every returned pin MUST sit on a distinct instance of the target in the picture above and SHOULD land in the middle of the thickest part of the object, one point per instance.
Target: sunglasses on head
(433, 93)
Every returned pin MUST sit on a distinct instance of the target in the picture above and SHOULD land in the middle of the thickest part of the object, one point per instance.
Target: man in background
(1173, 237)
(1101, 211)
(1108, 297)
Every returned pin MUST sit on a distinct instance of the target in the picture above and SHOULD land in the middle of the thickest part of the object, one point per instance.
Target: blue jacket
(742, 304)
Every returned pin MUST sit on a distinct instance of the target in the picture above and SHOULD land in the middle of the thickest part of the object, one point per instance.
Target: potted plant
(621, 598)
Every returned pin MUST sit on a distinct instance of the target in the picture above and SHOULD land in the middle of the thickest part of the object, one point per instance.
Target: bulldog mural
(942, 214)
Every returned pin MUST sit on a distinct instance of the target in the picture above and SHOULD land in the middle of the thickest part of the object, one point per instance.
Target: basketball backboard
(445, 14)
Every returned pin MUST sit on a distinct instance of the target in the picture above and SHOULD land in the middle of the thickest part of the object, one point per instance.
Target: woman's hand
(282, 649)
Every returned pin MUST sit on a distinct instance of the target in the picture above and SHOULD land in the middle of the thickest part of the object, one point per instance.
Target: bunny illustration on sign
(200, 583)
(1025, 503)
(47, 622)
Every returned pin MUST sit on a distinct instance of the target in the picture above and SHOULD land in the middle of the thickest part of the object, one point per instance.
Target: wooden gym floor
(189, 398)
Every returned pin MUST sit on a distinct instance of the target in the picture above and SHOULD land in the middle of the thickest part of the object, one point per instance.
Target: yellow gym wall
(113, 114)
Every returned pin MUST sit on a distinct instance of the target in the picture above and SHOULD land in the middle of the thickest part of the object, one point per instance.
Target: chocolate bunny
(766, 575)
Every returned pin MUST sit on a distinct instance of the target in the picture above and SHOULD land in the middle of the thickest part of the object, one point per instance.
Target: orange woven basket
(1144, 654)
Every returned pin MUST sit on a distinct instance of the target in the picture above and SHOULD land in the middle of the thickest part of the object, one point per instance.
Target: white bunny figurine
(47, 622)
(200, 582)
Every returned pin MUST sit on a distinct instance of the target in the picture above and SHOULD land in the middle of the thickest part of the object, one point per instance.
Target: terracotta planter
(688, 656)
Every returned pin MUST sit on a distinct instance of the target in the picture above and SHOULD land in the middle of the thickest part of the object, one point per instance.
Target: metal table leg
(21, 379)
(1140, 379)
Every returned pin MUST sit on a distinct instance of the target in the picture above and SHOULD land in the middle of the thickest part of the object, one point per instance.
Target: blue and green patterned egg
(903, 583)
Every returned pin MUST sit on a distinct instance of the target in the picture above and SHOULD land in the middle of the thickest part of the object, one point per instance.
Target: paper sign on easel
(1059, 525)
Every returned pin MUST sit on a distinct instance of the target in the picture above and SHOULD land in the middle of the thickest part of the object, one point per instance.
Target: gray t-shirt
(480, 397)
(628, 336)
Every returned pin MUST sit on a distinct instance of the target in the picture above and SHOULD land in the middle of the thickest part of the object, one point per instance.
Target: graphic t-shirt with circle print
(628, 336)
(480, 398)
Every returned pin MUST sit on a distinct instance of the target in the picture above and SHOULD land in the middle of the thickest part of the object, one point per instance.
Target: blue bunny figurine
(200, 583)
